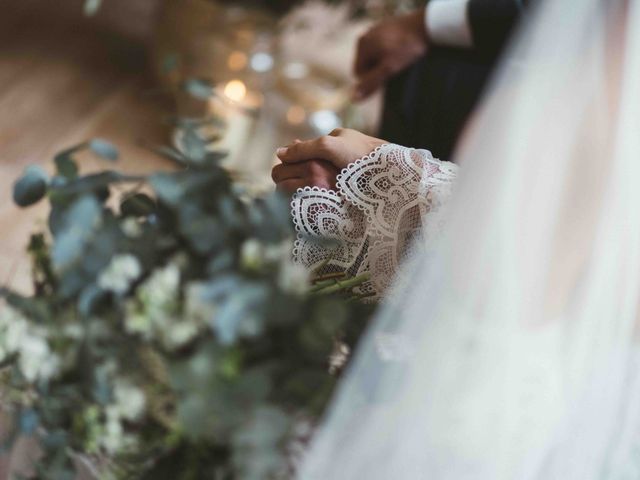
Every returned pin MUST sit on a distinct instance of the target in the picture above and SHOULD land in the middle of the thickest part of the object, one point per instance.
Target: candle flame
(235, 90)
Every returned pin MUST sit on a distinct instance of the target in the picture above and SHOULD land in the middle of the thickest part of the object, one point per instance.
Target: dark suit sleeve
(492, 22)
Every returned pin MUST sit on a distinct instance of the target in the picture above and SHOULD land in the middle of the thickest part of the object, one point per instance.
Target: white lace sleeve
(384, 201)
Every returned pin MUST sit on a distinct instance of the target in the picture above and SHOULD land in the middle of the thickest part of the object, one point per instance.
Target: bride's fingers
(325, 148)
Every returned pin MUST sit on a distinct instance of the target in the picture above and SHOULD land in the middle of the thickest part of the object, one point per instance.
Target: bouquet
(169, 335)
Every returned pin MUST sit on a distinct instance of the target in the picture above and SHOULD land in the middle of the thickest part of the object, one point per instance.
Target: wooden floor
(62, 81)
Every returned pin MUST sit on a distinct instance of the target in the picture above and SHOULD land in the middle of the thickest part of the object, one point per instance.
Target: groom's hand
(387, 49)
(310, 173)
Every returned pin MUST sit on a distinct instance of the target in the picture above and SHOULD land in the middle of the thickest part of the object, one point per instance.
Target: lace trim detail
(327, 227)
(384, 201)
(389, 180)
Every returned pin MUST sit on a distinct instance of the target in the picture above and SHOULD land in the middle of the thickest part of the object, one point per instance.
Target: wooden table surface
(65, 79)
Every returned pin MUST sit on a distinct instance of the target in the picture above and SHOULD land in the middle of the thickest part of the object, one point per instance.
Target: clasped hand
(317, 162)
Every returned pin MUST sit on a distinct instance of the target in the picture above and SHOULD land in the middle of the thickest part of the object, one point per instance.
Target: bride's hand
(340, 148)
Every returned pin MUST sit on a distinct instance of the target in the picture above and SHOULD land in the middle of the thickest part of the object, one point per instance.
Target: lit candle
(239, 110)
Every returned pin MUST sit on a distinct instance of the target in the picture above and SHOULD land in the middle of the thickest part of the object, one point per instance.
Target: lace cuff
(384, 201)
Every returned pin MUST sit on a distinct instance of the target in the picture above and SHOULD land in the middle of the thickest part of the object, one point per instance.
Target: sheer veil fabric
(513, 350)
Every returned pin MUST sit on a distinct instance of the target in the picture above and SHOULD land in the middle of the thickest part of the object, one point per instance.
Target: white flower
(120, 274)
(280, 252)
(196, 307)
(73, 331)
(161, 289)
(17, 336)
(339, 357)
(179, 333)
(13, 328)
(293, 278)
(154, 309)
(128, 403)
(129, 400)
(131, 227)
(252, 254)
(36, 359)
(113, 437)
(16, 332)
(136, 321)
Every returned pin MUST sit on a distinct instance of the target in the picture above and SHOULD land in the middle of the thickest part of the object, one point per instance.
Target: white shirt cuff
(447, 23)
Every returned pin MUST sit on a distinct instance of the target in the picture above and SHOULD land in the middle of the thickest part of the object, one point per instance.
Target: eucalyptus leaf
(56, 220)
(264, 428)
(223, 261)
(31, 187)
(237, 316)
(278, 209)
(104, 149)
(257, 453)
(58, 182)
(221, 286)
(195, 147)
(29, 421)
(199, 88)
(55, 440)
(167, 187)
(92, 298)
(77, 226)
(216, 156)
(65, 166)
(168, 152)
(203, 231)
(34, 309)
(94, 182)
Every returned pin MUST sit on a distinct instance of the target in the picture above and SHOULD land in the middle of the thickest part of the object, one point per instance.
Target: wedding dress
(383, 203)
(509, 347)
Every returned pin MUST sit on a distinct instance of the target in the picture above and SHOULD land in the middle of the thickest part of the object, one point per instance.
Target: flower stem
(340, 285)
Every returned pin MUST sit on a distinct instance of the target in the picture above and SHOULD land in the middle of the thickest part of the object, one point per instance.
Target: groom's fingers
(282, 172)
(290, 186)
(372, 81)
(367, 54)
(312, 173)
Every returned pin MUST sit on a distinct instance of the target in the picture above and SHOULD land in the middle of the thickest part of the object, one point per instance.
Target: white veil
(513, 352)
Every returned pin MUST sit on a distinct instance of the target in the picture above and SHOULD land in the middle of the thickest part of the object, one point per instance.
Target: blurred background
(65, 78)
(246, 76)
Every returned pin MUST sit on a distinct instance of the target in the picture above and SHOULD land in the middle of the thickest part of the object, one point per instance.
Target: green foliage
(31, 187)
(199, 88)
(170, 333)
(103, 149)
